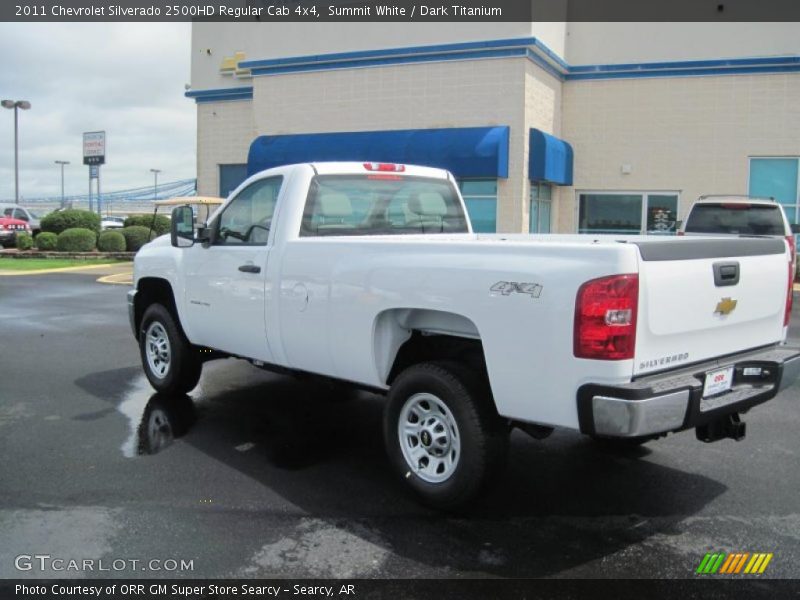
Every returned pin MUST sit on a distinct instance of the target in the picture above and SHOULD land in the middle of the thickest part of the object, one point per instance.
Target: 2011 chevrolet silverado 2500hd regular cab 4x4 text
(370, 273)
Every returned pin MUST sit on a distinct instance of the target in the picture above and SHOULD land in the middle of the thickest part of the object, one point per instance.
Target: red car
(9, 228)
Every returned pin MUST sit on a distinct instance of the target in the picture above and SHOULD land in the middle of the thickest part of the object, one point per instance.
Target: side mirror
(182, 227)
(795, 228)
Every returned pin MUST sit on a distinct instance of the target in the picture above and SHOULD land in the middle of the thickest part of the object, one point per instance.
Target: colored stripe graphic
(703, 563)
(717, 565)
(733, 563)
(728, 562)
(749, 566)
(764, 564)
(741, 562)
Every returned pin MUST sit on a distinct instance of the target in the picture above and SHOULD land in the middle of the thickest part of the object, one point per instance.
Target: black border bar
(283, 11)
(705, 587)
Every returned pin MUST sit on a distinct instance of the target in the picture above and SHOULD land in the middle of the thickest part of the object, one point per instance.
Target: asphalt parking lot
(270, 477)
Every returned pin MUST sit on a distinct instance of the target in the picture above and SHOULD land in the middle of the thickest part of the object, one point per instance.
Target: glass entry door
(628, 213)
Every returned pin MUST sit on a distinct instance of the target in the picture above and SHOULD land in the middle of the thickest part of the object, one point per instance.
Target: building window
(541, 204)
(777, 178)
(230, 176)
(633, 213)
(480, 196)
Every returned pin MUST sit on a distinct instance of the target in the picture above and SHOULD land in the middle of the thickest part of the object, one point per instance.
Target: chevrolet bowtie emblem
(725, 306)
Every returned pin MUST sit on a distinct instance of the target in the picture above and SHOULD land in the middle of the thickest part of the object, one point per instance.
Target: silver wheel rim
(157, 349)
(429, 438)
(159, 431)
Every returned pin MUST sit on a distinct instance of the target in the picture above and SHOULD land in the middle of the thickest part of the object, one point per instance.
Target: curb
(69, 255)
(111, 279)
(58, 270)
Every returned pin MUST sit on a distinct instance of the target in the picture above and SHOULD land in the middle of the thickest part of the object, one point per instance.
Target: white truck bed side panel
(527, 340)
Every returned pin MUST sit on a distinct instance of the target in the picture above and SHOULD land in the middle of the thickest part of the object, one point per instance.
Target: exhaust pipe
(729, 426)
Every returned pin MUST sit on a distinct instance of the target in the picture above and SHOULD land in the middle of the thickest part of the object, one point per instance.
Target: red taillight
(384, 167)
(605, 318)
(789, 292)
(792, 246)
(735, 205)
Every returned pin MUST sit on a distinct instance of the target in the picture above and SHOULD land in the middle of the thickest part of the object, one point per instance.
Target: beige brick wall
(692, 134)
(542, 111)
(448, 94)
(224, 133)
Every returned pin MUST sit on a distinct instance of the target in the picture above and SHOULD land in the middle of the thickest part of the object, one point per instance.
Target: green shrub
(76, 239)
(160, 226)
(56, 222)
(135, 237)
(111, 241)
(24, 241)
(46, 240)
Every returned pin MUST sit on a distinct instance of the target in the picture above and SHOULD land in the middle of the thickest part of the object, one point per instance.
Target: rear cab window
(381, 204)
(736, 218)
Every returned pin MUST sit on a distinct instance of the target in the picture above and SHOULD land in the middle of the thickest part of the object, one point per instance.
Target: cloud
(125, 78)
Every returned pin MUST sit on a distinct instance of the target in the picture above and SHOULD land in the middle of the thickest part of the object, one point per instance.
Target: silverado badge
(725, 306)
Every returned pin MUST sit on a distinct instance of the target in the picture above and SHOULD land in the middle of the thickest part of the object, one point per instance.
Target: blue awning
(466, 152)
(550, 159)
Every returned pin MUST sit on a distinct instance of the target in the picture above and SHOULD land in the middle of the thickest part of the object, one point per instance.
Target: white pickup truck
(369, 273)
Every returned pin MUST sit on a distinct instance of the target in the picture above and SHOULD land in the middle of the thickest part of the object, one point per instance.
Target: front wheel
(442, 433)
(169, 361)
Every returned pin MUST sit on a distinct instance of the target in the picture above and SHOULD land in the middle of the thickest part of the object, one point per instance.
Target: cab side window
(248, 217)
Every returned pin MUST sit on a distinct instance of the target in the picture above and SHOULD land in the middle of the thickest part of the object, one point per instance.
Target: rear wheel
(170, 363)
(442, 433)
(621, 444)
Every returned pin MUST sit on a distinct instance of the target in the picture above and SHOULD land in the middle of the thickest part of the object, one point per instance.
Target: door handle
(250, 269)
(726, 273)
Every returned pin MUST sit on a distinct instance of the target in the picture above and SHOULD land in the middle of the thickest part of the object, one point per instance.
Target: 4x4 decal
(506, 288)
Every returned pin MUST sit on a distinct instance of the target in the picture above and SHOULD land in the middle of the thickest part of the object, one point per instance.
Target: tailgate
(704, 298)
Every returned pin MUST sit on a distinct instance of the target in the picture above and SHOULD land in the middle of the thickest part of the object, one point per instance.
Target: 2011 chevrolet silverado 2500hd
(370, 273)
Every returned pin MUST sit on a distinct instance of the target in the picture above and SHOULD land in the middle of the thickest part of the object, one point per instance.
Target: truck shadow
(324, 454)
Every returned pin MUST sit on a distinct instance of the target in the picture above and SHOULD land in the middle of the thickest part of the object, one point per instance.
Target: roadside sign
(94, 147)
(93, 171)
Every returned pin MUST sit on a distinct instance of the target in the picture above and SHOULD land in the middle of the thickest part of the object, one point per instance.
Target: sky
(125, 78)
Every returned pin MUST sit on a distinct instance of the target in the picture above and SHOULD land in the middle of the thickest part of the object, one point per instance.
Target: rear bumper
(673, 401)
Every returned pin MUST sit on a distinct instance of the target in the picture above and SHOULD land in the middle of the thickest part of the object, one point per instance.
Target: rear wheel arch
(403, 337)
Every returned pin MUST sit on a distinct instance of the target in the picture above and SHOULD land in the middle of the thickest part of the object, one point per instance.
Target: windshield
(741, 218)
(381, 204)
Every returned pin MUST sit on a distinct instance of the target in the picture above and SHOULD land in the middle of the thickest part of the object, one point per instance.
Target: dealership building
(548, 127)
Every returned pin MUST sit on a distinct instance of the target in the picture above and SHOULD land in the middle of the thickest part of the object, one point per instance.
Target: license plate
(718, 382)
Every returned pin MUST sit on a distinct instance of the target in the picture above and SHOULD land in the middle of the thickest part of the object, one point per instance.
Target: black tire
(184, 365)
(621, 444)
(482, 434)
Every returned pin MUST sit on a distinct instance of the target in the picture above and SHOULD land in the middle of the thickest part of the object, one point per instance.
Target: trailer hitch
(729, 426)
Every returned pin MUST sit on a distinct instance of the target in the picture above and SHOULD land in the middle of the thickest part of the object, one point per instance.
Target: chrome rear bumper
(673, 400)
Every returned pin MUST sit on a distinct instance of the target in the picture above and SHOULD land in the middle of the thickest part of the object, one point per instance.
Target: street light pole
(62, 163)
(155, 173)
(16, 105)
